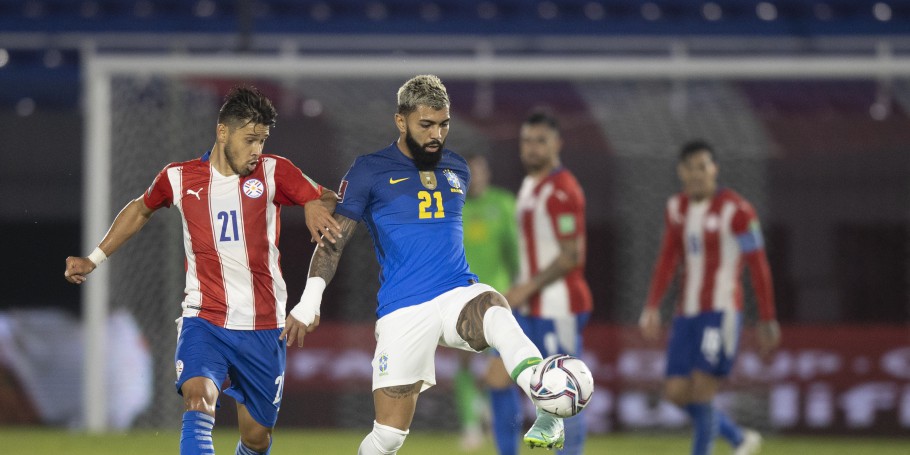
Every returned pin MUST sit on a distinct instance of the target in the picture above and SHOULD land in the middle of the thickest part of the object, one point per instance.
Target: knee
(677, 399)
(257, 440)
(199, 403)
(199, 396)
(470, 324)
(677, 396)
(497, 299)
(383, 440)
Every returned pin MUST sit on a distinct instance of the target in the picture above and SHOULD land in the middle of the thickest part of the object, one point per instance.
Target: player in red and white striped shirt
(234, 309)
(551, 295)
(711, 231)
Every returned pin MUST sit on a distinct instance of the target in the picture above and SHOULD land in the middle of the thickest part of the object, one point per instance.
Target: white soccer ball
(562, 385)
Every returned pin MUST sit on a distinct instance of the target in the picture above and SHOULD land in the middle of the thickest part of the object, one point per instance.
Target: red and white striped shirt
(713, 237)
(231, 227)
(549, 211)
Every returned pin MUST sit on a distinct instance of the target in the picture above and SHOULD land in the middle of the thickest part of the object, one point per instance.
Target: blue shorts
(555, 336)
(706, 342)
(253, 360)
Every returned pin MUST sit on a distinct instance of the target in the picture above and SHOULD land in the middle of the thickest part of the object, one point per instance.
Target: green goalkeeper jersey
(491, 237)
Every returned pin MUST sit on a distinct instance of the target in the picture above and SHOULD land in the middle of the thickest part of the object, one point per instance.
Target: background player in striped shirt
(551, 296)
(229, 201)
(410, 196)
(711, 231)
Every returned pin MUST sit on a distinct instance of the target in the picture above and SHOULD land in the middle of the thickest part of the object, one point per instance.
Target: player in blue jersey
(410, 196)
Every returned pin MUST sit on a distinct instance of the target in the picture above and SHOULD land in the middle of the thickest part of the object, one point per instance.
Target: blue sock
(728, 429)
(196, 434)
(705, 427)
(507, 419)
(576, 433)
(244, 450)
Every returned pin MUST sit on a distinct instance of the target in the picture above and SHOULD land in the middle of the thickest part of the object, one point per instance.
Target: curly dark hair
(245, 104)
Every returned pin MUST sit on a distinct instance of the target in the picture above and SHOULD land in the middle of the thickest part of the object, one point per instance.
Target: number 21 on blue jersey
(426, 202)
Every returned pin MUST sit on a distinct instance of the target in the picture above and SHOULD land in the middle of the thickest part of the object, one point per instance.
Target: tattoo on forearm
(325, 259)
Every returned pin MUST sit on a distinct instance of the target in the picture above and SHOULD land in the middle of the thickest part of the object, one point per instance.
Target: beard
(244, 170)
(534, 163)
(531, 167)
(425, 161)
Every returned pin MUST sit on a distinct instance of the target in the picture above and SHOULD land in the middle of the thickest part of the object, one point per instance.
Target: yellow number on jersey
(426, 201)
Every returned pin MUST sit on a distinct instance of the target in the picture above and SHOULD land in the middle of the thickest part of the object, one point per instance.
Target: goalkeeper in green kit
(491, 248)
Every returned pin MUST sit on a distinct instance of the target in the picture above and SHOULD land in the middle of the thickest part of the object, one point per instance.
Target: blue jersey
(415, 221)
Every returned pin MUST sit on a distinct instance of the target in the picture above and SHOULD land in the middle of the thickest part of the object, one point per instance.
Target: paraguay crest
(253, 188)
(454, 181)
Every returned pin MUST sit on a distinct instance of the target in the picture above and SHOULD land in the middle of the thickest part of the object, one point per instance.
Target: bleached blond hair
(424, 90)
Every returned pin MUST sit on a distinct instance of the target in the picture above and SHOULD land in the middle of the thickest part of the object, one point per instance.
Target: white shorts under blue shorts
(406, 338)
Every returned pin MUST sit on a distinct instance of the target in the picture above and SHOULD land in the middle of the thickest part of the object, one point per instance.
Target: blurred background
(806, 101)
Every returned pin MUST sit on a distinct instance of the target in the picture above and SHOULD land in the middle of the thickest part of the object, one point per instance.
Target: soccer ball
(562, 385)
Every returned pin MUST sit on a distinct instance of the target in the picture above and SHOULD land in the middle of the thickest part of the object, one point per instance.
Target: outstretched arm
(304, 318)
(128, 222)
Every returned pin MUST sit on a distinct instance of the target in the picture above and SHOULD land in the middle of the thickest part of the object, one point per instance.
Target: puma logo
(394, 181)
(195, 193)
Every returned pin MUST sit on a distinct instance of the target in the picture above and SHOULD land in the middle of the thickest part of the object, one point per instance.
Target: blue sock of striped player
(244, 450)
(728, 429)
(576, 434)
(196, 434)
(506, 419)
(705, 427)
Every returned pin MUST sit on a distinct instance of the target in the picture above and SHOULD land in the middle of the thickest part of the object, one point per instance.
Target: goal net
(622, 122)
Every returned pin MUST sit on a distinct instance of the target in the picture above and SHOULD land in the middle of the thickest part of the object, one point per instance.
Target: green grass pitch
(28, 441)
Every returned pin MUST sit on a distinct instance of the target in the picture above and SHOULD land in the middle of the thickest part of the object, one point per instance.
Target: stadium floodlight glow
(882, 12)
(712, 11)
(766, 11)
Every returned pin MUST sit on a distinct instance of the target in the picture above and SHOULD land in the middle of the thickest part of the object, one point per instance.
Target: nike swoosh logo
(394, 181)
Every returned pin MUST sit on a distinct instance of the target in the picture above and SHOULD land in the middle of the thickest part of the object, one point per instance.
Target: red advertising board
(837, 378)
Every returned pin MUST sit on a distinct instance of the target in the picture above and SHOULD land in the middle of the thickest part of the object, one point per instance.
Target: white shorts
(406, 339)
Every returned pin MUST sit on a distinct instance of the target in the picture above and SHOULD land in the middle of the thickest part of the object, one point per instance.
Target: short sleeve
(354, 191)
(293, 186)
(159, 194)
(566, 209)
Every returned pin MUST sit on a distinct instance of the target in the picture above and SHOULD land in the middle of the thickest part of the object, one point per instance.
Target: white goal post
(100, 69)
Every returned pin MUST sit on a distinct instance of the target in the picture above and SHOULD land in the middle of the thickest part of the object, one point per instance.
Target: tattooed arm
(304, 318)
(325, 259)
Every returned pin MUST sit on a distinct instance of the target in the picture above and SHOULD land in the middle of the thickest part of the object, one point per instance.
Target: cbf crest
(454, 181)
(383, 364)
